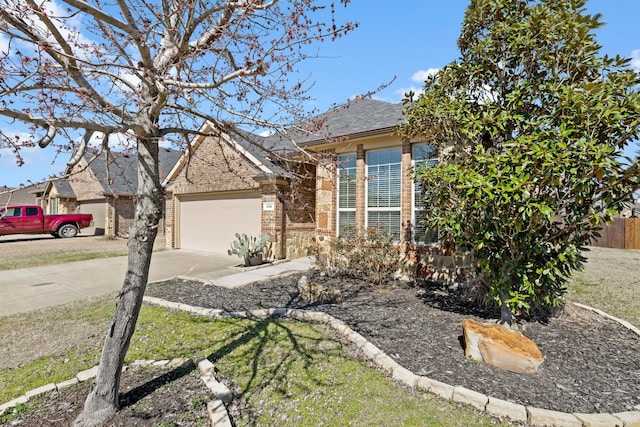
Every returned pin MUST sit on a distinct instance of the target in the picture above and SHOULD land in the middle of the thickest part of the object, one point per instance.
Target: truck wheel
(68, 230)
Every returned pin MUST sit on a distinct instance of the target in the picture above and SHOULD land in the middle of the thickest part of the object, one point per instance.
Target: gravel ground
(146, 399)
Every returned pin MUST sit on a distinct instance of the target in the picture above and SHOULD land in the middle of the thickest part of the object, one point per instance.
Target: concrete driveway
(38, 287)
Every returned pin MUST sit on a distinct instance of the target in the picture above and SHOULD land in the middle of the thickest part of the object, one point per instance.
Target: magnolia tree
(151, 70)
(531, 122)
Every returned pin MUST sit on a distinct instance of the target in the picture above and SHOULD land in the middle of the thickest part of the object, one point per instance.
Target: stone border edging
(493, 406)
(215, 408)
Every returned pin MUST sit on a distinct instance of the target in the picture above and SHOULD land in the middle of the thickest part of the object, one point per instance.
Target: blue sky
(399, 41)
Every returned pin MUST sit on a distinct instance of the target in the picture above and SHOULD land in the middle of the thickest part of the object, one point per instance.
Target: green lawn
(290, 373)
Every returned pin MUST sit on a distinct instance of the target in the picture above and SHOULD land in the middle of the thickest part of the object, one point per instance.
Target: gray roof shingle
(358, 117)
(117, 172)
(21, 196)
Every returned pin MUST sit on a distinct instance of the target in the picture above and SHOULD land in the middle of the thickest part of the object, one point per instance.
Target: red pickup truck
(31, 220)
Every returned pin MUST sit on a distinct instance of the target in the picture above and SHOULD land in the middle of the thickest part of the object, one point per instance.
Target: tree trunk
(103, 400)
(506, 315)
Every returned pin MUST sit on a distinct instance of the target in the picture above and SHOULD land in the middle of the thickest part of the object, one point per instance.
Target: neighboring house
(104, 185)
(20, 196)
(358, 175)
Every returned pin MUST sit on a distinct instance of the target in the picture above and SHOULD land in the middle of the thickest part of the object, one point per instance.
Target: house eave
(350, 137)
(271, 179)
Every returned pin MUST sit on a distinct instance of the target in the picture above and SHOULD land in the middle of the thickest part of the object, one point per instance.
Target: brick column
(110, 220)
(361, 181)
(326, 197)
(169, 221)
(407, 184)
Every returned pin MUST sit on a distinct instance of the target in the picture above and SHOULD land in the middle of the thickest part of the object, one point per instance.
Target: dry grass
(610, 282)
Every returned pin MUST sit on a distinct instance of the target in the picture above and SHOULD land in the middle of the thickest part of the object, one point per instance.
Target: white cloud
(421, 76)
(404, 90)
(418, 77)
(66, 25)
(635, 60)
(483, 95)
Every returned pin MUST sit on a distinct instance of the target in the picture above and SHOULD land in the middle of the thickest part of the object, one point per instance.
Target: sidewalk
(263, 273)
(29, 289)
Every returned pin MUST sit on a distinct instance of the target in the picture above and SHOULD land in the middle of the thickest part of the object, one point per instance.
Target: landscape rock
(500, 347)
(315, 293)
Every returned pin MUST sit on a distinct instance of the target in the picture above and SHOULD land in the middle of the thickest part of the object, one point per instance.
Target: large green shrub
(532, 122)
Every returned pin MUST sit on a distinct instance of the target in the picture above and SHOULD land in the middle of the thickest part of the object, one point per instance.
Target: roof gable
(20, 196)
(260, 152)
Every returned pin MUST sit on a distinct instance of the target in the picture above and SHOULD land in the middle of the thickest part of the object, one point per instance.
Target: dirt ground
(31, 245)
(56, 333)
(610, 282)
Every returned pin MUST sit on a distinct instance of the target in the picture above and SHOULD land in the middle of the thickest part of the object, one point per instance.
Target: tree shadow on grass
(133, 396)
(276, 355)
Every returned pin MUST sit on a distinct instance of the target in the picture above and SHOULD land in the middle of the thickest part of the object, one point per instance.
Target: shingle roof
(265, 150)
(21, 196)
(117, 173)
(63, 188)
(358, 117)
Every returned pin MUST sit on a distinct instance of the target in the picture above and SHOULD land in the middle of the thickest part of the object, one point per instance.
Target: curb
(492, 406)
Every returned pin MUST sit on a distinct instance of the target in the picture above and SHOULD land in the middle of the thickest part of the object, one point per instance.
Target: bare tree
(154, 70)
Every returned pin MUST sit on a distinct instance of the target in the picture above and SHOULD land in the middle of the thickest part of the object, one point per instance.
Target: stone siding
(125, 208)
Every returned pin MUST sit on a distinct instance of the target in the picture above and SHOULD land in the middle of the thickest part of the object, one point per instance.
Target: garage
(98, 210)
(208, 222)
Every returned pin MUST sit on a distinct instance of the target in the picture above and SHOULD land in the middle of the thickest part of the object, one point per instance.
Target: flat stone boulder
(500, 347)
(315, 293)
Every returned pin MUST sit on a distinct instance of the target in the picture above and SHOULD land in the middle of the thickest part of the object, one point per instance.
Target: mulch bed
(150, 396)
(592, 364)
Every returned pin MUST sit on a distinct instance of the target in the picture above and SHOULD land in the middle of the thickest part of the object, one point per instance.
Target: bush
(372, 256)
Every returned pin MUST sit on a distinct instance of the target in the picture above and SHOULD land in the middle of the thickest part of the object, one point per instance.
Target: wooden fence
(622, 233)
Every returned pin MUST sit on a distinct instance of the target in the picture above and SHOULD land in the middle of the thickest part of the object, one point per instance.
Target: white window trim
(368, 209)
(414, 222)
(338, 208)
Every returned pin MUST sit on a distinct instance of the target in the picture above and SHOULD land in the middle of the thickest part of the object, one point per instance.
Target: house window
(53, 206)
(426, 155)
(346, 193)
(384, 181)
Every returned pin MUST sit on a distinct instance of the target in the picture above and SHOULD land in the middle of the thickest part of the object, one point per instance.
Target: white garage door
(209, 222)
(98, 210)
